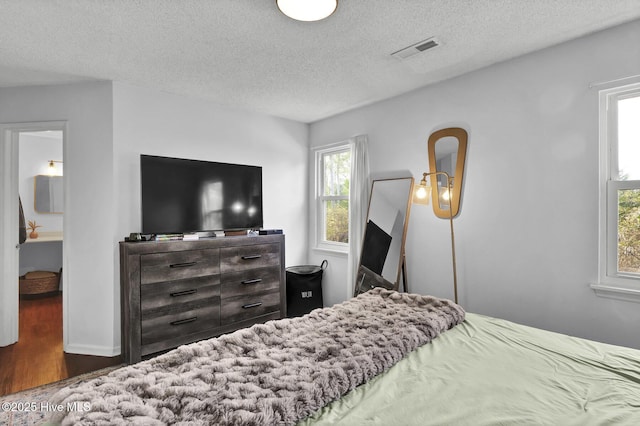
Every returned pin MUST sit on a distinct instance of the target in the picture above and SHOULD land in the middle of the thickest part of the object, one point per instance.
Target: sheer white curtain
(359, 188)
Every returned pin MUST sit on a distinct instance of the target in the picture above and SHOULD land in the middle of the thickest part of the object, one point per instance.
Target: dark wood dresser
(177, 292)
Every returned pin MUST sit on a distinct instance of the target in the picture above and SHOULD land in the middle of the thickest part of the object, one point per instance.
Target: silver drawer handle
(251, 305)
(182, 265)
(183, 321)
(184, 293)
(254, 281)
(251, 257)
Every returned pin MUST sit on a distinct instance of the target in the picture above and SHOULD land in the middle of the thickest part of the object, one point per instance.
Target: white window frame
(321, 242)
(613, 284)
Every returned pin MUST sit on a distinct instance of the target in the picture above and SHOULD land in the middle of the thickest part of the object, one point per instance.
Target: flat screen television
(188, 196)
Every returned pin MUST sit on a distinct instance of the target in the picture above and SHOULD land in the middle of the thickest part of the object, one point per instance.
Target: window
(620, 187)
(333, 166)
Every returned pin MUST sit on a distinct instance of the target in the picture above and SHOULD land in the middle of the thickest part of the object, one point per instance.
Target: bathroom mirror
(48, 194)
(447, 150)
(382, 254)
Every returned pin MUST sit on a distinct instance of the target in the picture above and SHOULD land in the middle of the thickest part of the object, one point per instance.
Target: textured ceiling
(245, 54)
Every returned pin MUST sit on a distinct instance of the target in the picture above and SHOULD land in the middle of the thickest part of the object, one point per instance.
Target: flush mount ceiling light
(307, 10)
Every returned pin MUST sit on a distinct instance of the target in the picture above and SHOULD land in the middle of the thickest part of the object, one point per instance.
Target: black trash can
(304, 288)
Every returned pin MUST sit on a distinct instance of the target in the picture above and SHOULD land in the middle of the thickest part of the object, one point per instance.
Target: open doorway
(34, 176)
(39, 350)
(34, 329)
(41, 192)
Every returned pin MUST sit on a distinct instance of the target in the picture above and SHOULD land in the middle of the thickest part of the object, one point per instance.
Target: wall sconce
(52, 167)
(307, 10)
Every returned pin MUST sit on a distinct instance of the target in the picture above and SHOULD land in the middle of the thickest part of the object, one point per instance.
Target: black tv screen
(181, 196)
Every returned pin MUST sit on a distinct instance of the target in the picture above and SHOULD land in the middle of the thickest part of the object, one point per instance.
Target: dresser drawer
(157, 296)
(249, 257)
(158, 325)
(169, 266)
(250, 281)
(245, 307)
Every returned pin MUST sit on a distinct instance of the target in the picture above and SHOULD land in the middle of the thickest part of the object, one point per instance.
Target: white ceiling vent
(414, 49)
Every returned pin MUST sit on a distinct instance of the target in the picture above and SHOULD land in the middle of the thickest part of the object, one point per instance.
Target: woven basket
(39, 282)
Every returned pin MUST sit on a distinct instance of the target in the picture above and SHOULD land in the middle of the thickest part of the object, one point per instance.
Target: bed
(381, 358)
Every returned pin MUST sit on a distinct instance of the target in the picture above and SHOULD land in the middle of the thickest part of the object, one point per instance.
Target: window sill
(618, 292)
(333, 251)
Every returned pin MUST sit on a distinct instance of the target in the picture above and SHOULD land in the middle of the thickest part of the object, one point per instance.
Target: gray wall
(527, 234)
(109, 125)
(150, 122)
(88, 276)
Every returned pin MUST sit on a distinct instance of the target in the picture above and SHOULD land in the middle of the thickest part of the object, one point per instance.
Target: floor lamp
(421, 196)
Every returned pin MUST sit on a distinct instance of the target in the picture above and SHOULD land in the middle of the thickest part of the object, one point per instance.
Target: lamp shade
(307, 10)
(444, 195)
(422, 191)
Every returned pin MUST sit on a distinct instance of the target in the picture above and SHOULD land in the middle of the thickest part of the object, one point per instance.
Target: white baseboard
(92, 350)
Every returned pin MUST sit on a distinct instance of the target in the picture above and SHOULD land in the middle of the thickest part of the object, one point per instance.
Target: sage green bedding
(488, 371)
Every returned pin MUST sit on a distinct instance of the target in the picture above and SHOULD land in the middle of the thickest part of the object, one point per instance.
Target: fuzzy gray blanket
(273, 373)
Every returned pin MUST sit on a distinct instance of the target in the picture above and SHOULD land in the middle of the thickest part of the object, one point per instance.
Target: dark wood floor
(37, 358)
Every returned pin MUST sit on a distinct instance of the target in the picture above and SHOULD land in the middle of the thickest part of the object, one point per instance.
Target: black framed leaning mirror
(382, 255)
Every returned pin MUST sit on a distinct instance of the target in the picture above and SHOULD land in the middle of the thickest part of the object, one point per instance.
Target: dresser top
(142, 247)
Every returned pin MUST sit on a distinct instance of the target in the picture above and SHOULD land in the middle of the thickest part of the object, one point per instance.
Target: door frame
(9, 257)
